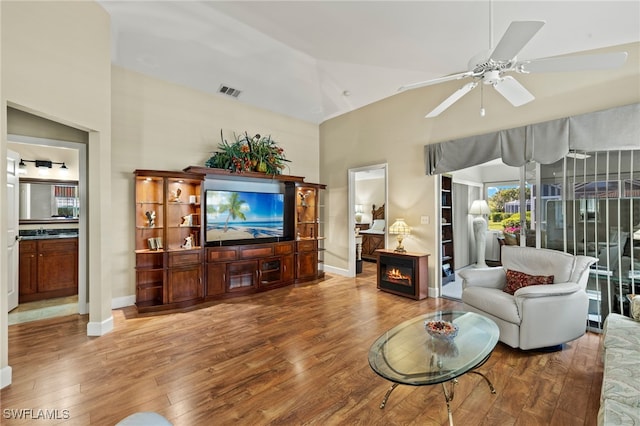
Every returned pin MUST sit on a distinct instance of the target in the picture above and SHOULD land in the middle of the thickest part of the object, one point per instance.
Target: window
(598, 216)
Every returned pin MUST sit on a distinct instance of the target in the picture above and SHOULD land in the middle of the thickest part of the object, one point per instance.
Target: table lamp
(479, 208)
(400, 228)
(359, 211)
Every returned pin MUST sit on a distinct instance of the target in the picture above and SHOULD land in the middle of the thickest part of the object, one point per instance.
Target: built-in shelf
(446, 229)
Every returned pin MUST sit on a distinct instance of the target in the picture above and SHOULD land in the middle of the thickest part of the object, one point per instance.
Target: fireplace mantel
(404, 274)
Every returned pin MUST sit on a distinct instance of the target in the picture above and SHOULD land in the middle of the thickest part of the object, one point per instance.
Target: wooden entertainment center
(177, 268)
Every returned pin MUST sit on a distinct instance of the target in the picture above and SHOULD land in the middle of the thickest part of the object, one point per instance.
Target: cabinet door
(183, 213)
(185, 283)
(270, 271)
(216, 278)
(243, 275)
(307, 264)
(306, 212)
(28, 268)
(288, 271)
(57, 265)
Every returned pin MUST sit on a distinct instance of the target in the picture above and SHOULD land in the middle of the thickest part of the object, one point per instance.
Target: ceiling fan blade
(602, 61)
(435, 81)
(515, 38)
(452, 99)
(513, 91)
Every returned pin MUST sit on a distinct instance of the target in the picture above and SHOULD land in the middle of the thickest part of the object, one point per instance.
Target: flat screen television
(239, 217)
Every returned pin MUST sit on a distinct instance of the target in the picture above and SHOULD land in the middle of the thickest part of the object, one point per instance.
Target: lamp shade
(479, 207)
(400, 227)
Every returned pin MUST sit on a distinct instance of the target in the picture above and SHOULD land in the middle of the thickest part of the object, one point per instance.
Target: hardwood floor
(296, 355)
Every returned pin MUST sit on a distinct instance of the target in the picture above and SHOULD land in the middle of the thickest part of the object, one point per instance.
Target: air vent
(229, 91)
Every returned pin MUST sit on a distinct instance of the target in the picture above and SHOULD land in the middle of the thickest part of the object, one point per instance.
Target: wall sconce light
(401, 229)
(43, 166)
(22, 168)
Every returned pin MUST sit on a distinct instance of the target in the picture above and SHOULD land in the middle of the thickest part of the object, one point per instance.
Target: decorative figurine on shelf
(187, 220)
(175, 196)
(151, 218)
(303, 199)
(188, 242)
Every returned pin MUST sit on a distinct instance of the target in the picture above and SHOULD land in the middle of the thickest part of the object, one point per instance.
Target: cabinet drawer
(58, 245)
(252, 252)
(306, 245)
(184, 258)
(28, 246)
(220, 255)
(284, 248)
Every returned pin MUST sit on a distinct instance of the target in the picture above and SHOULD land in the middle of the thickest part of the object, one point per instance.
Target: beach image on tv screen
(235, 215)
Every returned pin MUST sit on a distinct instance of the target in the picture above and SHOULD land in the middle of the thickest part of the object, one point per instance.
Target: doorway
(73, 155)
(367, 192)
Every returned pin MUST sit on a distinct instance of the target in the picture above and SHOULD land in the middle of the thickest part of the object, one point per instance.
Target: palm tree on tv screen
(234, 209)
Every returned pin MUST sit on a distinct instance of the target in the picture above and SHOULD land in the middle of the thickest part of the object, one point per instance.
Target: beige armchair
(538, 315)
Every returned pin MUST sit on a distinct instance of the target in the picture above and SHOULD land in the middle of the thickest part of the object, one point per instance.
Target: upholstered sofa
(620, 394)
(535, 315)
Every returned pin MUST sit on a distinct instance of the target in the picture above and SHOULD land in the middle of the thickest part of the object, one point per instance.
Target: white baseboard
(434, 292)
(121, 302)
(5, 377)
(100, 328)
(337, 271)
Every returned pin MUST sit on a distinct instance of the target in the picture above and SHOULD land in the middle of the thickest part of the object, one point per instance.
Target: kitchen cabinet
(48, 268)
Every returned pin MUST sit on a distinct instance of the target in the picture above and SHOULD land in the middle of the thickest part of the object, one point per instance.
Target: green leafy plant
(512, 223)
(257, 153)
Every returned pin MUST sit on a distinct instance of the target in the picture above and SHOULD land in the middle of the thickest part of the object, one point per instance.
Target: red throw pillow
(517, 279)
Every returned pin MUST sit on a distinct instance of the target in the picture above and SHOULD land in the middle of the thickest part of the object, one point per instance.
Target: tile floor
(42, 309)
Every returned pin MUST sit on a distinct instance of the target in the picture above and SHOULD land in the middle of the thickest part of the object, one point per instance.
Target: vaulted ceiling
(314, 60)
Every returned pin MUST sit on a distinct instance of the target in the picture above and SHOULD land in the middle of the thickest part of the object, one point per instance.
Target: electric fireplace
(404, 274)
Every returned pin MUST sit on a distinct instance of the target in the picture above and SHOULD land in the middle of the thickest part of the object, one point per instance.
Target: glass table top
(407, 354)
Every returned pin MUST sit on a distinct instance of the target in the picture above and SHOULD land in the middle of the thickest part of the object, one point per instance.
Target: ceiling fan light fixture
(490, 68)
(491, 77)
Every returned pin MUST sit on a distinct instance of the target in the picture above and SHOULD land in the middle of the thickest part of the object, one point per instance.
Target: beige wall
(394, 131)
(25, 124)
(163, 126)
(56, 63)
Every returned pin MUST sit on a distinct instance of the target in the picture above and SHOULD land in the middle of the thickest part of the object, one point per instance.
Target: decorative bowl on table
(441, 329)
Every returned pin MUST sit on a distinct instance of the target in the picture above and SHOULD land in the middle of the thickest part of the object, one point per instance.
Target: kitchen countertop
(48, 234)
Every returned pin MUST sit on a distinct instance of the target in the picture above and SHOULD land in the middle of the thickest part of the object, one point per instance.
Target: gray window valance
(612, 129)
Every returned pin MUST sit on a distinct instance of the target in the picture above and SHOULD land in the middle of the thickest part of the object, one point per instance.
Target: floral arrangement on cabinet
(258, 153)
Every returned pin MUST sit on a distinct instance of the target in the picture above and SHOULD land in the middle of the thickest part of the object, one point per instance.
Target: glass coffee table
(408, 355)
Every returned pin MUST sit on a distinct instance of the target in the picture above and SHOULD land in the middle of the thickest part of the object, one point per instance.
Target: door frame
(83, 305)
(351, 220)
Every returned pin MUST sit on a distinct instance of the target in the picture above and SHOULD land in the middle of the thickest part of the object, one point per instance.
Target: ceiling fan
(490, 67)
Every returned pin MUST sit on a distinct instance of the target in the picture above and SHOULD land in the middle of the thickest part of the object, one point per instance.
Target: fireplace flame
(396, 274)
